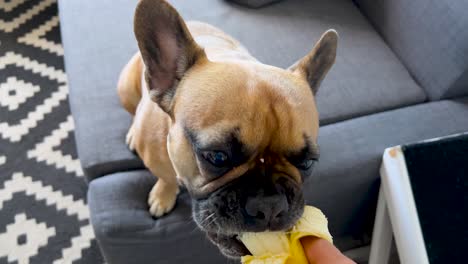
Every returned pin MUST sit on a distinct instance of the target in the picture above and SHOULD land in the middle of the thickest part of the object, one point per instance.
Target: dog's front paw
(130, 139)
(161, 200)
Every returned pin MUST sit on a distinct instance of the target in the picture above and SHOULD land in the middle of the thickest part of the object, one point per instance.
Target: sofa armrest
(429, 37)
(97, 45)
(127, 233)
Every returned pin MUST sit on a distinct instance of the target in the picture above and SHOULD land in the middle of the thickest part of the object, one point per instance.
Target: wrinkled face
(243, 134)
(242, 141)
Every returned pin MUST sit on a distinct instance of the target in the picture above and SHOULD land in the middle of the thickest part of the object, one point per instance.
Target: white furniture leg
(382, 234)
(401, 208)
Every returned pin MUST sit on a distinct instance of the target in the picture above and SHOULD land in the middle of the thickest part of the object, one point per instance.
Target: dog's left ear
(166, 46)
(315, 65)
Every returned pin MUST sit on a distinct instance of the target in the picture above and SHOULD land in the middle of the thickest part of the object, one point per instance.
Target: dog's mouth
(247, 205)
(230, 245)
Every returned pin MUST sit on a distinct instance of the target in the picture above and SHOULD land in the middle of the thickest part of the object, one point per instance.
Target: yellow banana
(285, 247)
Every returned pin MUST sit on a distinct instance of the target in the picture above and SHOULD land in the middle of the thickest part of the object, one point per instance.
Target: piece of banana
(266, 243)
(285, 247)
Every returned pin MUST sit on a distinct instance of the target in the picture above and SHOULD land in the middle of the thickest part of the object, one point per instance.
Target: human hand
(320, 251)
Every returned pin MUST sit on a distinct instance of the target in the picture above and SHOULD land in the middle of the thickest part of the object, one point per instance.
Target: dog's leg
(162, 197)
(148, 136)
(130, 139)
(129, 90)
(129, 85)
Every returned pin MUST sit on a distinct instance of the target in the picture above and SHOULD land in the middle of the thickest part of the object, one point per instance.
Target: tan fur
(228, 89)
(274, 106)
(129, 85)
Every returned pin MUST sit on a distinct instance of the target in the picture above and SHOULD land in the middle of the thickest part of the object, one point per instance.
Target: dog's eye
(217, 158)
(306, 164)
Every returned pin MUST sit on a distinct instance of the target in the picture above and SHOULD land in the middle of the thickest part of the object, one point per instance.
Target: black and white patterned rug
(44, 216)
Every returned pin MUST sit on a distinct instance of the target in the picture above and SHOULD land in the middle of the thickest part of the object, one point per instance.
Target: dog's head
(243, 134)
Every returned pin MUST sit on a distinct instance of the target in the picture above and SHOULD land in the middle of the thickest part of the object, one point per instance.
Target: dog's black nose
(267, 212)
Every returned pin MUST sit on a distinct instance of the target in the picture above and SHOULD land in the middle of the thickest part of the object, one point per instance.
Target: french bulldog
(240, 135)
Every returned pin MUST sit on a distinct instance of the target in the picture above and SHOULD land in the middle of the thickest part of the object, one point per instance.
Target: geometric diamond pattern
(44, 216)
(9, 26)
(36, 237)
(21, 183)
(14, 132)
(12, 58)
(43, 151)
(10, 5)
(15, 92)
(35, 37)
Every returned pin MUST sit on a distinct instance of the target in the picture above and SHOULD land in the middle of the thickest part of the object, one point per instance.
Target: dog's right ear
(167, 48)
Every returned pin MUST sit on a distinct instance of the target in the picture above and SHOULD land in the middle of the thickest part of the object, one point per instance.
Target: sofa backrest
(430, 37)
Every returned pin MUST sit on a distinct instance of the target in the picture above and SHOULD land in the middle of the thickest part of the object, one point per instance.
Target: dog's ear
(315, 65)
(166, 46)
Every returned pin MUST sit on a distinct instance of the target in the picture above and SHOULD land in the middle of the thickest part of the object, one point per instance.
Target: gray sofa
(400, 76)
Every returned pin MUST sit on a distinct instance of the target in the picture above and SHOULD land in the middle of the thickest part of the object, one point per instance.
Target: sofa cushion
(127, 233)
(344, 186)
(98, 41)
(430, 38)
